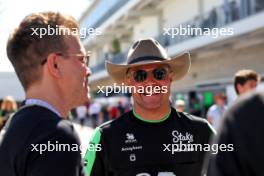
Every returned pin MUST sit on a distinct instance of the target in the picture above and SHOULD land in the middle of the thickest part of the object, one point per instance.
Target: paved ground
(85, 134)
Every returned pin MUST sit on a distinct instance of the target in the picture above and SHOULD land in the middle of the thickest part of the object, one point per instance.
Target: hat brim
(179, 65)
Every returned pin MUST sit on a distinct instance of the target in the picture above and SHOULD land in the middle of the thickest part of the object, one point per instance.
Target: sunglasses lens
(159, 73)
(140, 75)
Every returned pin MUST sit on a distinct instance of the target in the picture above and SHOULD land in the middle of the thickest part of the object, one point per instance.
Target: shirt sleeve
(95, 157)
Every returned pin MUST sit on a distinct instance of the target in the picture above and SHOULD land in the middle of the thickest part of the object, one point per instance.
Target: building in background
(215, 58)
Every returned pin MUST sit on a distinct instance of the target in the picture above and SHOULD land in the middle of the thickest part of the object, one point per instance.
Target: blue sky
(13, 11)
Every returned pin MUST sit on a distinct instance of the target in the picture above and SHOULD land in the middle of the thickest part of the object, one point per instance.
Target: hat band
(146, 58)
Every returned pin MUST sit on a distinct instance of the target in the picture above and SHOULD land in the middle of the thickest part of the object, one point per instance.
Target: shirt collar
(38, 102)
(151, 121)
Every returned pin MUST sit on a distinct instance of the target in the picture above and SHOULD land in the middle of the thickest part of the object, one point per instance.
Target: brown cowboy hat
(146, 52)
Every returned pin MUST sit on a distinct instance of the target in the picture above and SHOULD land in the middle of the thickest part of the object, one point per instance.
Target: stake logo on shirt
(179, 137)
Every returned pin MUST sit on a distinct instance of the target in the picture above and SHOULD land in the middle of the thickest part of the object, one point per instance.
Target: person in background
(82, 112)
(8, 107)
(180, 105)
(104, 114)
(246, 81)
(216, 111)
(120, 108)
(127, 107)
(94, 111)
(114, 112)
(195, 106)
(243, 131)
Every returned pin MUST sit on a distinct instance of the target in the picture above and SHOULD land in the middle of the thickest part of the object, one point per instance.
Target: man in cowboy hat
(146, 141)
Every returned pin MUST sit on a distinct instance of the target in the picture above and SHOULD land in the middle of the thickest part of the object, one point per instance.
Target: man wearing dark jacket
(52, 68)
(242, 127)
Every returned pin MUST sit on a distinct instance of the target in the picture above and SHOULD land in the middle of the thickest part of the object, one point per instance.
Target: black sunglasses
(158, 74)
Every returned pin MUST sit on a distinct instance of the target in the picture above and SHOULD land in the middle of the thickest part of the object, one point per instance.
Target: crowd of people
(97, 113)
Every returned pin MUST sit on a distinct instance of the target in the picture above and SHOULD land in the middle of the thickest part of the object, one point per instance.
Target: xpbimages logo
(59, 147)
(195, 31)
(183, 142)
(59, 30)
(147, 90)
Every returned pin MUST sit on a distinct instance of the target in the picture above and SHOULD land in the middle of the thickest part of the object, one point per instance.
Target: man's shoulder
(249, 106)
(116, 123)
(248, 101)
(197, 122)
(34, 122)
(33, 110)
(34, 125)
(192, 118)
(42, 120)
(28, 117)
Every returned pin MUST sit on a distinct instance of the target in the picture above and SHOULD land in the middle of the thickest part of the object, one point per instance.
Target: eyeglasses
(158, 74)
(82, 58)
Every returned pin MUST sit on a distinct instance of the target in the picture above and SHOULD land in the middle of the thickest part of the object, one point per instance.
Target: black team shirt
(20, 145)
(131, 146)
